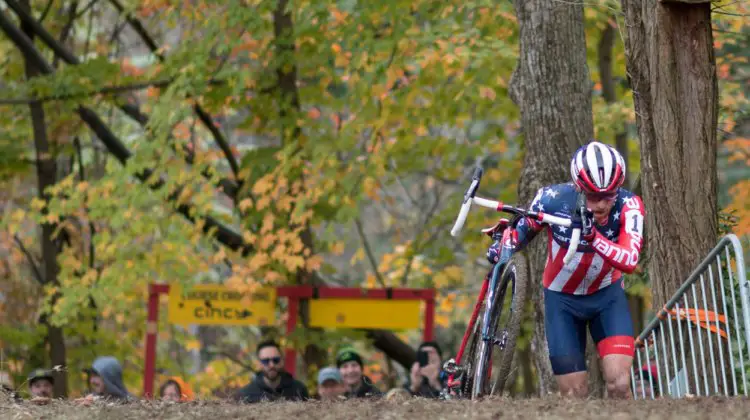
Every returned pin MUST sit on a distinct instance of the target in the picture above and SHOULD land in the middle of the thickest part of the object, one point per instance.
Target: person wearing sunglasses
(272, 383)
(588, 292)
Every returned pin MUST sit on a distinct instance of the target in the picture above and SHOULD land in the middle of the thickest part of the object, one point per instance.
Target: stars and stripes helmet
(598, 168)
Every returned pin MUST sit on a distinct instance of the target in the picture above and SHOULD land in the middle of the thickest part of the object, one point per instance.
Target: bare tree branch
(368, 252)
(114, 145)
(101, 91)
(418, 242)
(229, 187)
(46, 10)
(204, 116)
(30, 258)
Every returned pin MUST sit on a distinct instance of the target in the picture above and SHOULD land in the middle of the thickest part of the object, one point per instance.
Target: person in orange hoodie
(177, 390)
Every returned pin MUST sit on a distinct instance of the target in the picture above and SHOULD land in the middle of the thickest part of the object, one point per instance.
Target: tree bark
(670, 59)
(609, 92)
(46, 168)
(551, 86)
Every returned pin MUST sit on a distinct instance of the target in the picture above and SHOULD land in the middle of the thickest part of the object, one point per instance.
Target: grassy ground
(552, 408)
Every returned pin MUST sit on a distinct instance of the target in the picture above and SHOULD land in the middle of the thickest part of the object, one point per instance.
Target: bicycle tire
(467, 377)
(482, 357)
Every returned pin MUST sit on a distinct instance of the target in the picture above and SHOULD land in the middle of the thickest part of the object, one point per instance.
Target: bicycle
(472, 377)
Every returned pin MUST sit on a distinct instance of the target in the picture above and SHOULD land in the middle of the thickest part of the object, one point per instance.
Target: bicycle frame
(489, 284)
(508, 242)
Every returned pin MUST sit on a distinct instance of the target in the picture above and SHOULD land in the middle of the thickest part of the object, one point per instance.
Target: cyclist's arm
(623, 255)
(527, 228)
(526, 231)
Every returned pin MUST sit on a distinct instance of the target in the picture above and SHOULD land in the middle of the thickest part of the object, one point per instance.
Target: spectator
(105, 380)
(330, 384)
(41, 383)
(650, 376)
(426, 377)
(272, 382)
(6, 386)
(176, 390)
(358, 385)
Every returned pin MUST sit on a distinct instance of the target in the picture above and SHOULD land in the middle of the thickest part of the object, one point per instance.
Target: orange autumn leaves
(739, 149)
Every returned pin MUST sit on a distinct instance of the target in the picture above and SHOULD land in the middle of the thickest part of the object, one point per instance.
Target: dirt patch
(550, 408)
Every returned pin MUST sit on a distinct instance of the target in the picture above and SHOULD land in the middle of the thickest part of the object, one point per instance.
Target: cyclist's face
(351, 373)
(600, 205)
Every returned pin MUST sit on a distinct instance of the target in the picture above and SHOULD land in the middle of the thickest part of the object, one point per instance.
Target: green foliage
(397, 100)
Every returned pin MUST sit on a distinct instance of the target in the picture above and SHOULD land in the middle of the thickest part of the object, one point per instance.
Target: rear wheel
(501, 329)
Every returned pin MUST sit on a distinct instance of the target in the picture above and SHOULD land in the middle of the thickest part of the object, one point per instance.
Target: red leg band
(618, 344)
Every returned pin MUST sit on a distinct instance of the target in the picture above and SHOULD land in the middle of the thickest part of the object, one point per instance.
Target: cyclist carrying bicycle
(589, 290)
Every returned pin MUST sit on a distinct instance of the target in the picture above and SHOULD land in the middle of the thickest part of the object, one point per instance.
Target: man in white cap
(330, 384)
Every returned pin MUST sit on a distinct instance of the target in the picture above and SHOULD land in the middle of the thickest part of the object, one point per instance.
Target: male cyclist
(589, 290)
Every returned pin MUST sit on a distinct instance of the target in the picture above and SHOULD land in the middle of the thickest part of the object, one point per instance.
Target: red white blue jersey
(598, 264)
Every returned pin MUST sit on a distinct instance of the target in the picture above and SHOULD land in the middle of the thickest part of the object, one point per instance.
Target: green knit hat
(348, 354)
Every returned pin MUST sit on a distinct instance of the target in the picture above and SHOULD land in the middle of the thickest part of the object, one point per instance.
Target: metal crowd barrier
(698, 343)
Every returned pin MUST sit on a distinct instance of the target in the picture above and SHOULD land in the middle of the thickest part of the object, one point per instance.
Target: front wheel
(498, 328)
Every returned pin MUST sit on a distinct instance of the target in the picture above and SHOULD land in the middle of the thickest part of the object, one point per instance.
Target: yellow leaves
(219, 256)
(422, 130)
(494, 174)
(249, 237)
(740, 194)
(185, 195)
(487, 92)
(739, 148)
(193, 345)
(314, 263)
(268, 222)
(371, 281)
(337, 248)
(262, 203)
(370, 188)
(266, 241)
(450, 275)
(339, 17)
(17, 217)
(263, 185)
(88, 278)
(258, 261)
(294, 262)
(37, 204)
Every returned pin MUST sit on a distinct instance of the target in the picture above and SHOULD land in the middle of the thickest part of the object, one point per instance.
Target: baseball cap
(41, 374)
(327, 374)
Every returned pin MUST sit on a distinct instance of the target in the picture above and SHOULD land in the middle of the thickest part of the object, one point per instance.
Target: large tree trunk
(609, 91)
(46, 169)
(671, 63)
(551, 86)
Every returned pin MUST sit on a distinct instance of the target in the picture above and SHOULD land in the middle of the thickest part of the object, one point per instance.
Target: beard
(271, 374)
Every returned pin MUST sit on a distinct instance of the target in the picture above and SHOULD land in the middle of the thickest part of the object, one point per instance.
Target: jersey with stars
(598, 263)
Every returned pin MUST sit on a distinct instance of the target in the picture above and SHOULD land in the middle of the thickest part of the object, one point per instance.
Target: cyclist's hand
(587, 225)
(493, 253)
